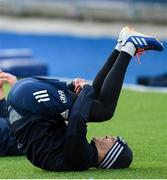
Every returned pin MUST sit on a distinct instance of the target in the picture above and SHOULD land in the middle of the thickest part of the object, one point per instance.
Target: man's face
(104, 144)
(105, 140)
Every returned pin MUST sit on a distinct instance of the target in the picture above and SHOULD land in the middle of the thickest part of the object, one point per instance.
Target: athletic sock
(118, 47)
(129, 48)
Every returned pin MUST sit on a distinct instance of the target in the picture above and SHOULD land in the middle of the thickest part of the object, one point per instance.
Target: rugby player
(8, 144)
(39, 107)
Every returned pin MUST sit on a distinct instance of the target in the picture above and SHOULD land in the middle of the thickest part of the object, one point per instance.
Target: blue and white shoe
(124, 31)
(140, 41)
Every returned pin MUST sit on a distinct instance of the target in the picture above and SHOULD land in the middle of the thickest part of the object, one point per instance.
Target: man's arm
(11, 80)
(77, 149)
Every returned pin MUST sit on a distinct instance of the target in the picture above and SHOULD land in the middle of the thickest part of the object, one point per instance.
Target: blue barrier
(20, 62)
(15, 53)
(24, 68)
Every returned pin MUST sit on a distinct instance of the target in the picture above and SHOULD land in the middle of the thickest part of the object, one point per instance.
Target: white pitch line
(140, 88)
(132, 87)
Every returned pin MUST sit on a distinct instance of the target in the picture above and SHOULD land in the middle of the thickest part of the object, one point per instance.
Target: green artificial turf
(141, 118)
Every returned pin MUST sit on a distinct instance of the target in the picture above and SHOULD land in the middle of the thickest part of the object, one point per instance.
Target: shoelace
(140, 51)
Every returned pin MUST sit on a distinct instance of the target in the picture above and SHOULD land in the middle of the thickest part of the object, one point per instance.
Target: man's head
(113, 152)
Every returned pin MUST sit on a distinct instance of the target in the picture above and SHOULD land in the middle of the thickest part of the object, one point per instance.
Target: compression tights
(107, 84)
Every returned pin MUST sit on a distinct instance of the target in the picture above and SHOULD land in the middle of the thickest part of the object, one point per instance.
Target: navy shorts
(38, 96)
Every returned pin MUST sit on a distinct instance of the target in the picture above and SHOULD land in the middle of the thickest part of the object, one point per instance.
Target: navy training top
(44, 137)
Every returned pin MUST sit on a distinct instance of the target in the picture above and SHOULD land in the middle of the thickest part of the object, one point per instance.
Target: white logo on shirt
(41, 96)
(62, 96)
(65, 114)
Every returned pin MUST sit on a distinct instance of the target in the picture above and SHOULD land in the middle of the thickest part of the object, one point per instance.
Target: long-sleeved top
(51, 144)
(8, 144)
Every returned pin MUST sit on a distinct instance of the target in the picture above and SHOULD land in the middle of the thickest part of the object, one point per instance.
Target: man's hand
(79, 83)
(9, 78)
